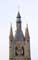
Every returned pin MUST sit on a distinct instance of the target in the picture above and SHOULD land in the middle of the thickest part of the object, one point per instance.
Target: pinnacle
(18, 15)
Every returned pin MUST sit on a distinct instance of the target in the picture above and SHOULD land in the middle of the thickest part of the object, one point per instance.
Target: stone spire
(18, 21)
(19, 32)
(27, 43)
(11, 28)
(11, 39)
(27, 31)
(18, 15)
(11, 34)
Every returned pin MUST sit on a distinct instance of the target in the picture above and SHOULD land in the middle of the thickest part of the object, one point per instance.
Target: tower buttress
(11, 38)
(27, 43)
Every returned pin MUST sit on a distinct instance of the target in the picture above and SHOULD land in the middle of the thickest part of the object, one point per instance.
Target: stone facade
(19, 46)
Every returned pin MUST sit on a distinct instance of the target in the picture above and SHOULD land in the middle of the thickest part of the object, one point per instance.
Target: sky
(29, 14)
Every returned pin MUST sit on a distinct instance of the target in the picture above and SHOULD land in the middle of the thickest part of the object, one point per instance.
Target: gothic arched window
(16, 51)
(19, 51)
(23, 51)
(27, 40)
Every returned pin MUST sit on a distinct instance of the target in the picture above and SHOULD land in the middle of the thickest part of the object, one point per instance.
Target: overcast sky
(29, 13)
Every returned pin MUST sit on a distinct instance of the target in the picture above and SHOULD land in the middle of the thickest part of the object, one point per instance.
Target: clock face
(19, 51)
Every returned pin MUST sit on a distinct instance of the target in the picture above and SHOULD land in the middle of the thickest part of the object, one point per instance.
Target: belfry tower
(19, 45)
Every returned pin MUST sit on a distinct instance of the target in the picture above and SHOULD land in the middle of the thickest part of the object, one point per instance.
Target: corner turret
(11, 38)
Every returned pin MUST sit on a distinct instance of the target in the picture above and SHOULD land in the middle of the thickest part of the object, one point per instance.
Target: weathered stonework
(19, 46)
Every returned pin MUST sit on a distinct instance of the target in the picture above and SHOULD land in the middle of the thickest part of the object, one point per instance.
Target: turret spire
(18, 22)
(11, 28)
(26, 27)
(27, 31)
(11, 32)
(18, 15)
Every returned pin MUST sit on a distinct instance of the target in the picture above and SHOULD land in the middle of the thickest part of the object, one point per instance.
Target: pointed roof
(11, 33)
(11, 28)
(26, 27)
(18, 15)
(19, 36)
(26, 31)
